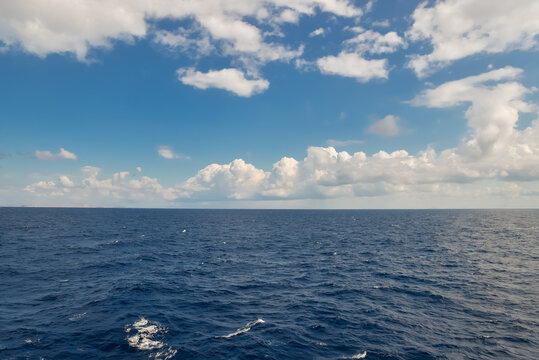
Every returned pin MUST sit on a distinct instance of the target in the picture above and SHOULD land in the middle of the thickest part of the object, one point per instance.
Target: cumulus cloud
(368, 41)
(167, 153)
(89, 186)
(388, 126)
(232, 80)
(65, 26)
(495, 103)
(460, 28)
(63, 154)
(354, 66)
(351, 62)
(495, 151)
(236, 30)
(238, 180)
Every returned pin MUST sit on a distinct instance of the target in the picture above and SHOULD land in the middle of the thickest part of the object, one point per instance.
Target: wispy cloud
(388, 126)
(167, 153)
(63, 154)
(317, 32)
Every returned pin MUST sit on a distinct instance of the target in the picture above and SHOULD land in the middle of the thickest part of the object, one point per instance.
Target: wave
(244, 329)
(362, 355)
(77, 316)
(141, 335)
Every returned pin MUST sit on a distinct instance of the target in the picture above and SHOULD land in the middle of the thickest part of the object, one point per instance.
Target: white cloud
(139, 169)
(236, 180)
(369, 5)
(388, 126)
(381, 23)
(42, 28)
(236, 30)
(65, 181)
(90, 188)
(353, 65)
(460, 28)
(191, 41)
(64, 26)
(167, 153)
(351, 62)
(317, 32)
(288, 16)
(374, 42)
(227, 79)
(63, 154)
(496, 159)
(495, 151)
(494, 107)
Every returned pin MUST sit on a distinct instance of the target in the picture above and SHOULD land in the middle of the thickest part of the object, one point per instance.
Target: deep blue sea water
(249, 284)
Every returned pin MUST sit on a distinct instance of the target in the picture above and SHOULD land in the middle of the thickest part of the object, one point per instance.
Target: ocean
(268, 284)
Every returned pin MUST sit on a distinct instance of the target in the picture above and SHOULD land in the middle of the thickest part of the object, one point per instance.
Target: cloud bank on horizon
(495, 150)
(247, 35)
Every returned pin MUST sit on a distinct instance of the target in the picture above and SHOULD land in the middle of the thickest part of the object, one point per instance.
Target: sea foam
(362, 355)
(244, 329)
(141, 335)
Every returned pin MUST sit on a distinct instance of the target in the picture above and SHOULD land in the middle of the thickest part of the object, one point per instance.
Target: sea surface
(263, 284)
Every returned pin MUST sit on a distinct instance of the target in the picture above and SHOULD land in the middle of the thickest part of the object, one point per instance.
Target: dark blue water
(132, 284)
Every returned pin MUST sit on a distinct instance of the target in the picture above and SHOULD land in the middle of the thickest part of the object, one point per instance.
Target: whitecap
(362, 355)
(141, 335)
(244, 329)
(77, 316)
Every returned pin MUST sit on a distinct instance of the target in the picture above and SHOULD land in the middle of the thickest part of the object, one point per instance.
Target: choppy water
(227, 284)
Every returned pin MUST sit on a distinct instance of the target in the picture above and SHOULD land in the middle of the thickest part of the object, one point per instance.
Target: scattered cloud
(381, 23)
(368, 41)
(167, 153)
(351, 62)
(317, 32)
(232, 80)
(78, 27)
(139, 169)
(388, 126)
(369, 5)
(193, 41)
(63, 154)
(354, 66)
(460, 28)
(495, 151)
(89, 187)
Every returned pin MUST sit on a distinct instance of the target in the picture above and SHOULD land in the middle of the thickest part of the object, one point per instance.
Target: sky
(269, 103)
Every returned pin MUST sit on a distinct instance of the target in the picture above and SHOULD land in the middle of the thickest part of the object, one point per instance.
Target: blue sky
(307, 104)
